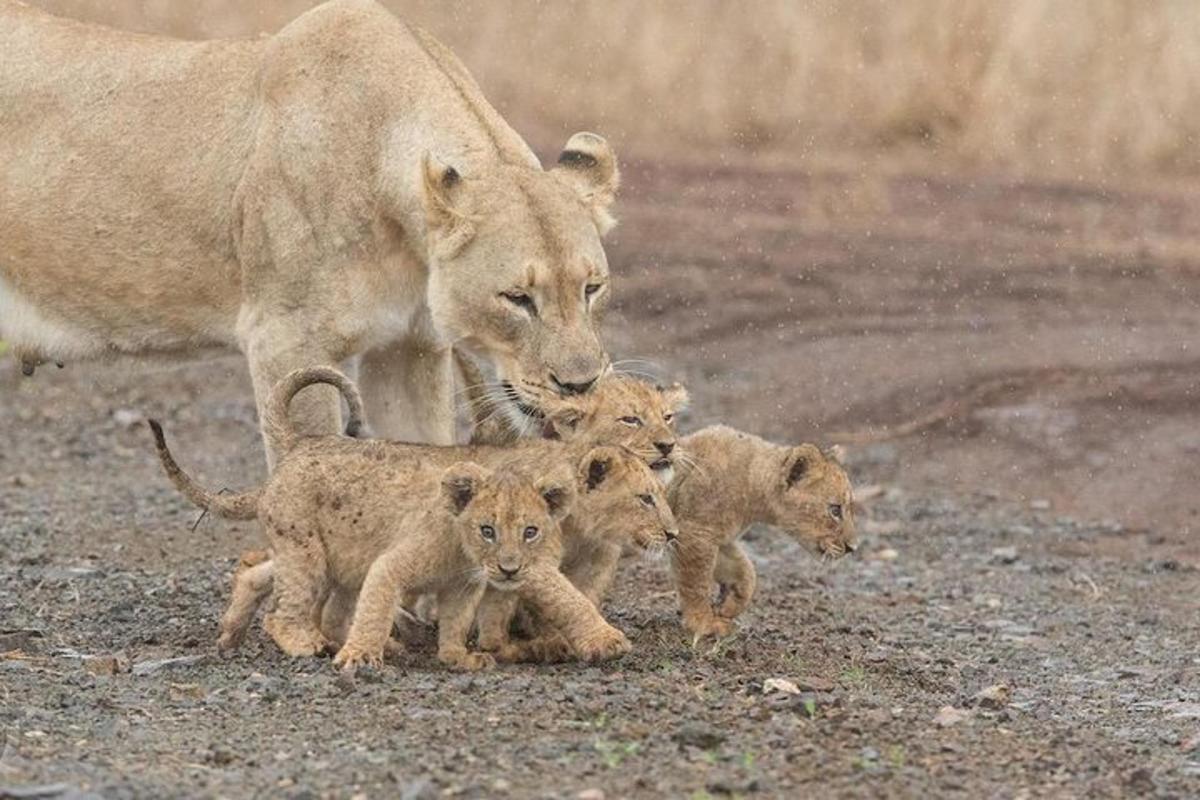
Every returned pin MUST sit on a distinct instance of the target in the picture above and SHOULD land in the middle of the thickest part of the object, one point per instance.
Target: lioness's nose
(567, 389)
(665, 447)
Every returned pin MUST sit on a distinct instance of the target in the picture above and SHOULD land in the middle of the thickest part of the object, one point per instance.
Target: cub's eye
(592, 288)
(633, 421)
(647, 500)
(531, 533)
(668, 417)
(521, 300)
(488, 533)
(835, 511)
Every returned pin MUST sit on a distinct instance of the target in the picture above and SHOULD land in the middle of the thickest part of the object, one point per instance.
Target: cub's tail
(232, 506)
(276, 422)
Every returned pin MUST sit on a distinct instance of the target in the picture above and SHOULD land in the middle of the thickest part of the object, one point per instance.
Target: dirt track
(1046, 333)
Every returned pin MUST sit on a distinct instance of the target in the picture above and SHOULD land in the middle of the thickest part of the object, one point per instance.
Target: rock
(698, 734)
(814, 683)
(127, 418)
(949, 715)
(1141, 781)
(109, 664)
(160, 664)
(31, 792)
(1005, 555)
(590, 794)
(1039, 505)
(780, 685)
(887, 554)
(420, 789)
(993, 697)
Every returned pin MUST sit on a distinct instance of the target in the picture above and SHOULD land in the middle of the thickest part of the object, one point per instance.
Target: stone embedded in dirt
(590, 794)
(109, 664)
(780, 686)
(1039, 505)
(993, 697)
(887, 554)
(127, 418)
(160, 664)
(34, 792)
(698, 734)
(815, 683)
(1005, 555)
(949, 715)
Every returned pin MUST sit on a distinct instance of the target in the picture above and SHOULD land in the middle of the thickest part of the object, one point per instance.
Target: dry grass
(1067, 85)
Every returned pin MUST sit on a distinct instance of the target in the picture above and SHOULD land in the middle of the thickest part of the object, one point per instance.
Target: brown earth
(1034, 345)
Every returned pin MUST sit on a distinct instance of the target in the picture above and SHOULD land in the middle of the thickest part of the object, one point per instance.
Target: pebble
(1005, 555)
(590, 794)
(159, 664)
(887, 554)
(780, 685)
(1039, 505)
(949, 715)
(698, 734)
(994, 697)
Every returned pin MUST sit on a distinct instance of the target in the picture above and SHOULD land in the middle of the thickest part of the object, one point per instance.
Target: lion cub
(734, 481)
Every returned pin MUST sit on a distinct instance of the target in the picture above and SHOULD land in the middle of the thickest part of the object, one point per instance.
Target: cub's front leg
(565, 608)
(457, 605)
(694, 566)
(737, 579)
(390, 576)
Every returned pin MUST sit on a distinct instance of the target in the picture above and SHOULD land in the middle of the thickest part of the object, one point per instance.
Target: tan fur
(160, 195)
(733, 481)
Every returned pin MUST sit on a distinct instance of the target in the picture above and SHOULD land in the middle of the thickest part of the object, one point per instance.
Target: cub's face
(507, 522)
(631, 413)
(814, 502)
(620, 499)
(518, 276)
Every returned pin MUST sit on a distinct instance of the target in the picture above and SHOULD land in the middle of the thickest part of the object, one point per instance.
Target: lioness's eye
(634, 421)
(488, 533)
(521, 300)
(835, 511)
(647, 500)
(592, 288)
(531, 533)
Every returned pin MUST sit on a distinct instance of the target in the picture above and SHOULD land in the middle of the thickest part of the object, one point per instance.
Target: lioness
(338, 189)
(733, 481)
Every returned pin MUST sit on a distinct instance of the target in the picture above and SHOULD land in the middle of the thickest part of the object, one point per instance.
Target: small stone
(696, 734)
(501, 785)
(949, 715)
(127, 418)
(993, 697)
(109, 664)
(1039, 505)
(780, 685)
(159, 664)
(815, 683)
(590, 794)
(1005, 555)
(887, 554)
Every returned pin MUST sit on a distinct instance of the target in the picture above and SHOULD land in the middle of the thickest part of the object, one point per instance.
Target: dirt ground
(1015, 366)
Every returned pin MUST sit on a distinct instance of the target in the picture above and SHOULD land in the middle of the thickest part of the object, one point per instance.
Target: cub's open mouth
(662, 463)
(524, 407)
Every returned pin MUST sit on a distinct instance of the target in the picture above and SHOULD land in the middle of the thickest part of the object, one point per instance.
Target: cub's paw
(295, 641)
(229, 641)
(351, 657)
(469, 662)
(708, 625)
(605, 644)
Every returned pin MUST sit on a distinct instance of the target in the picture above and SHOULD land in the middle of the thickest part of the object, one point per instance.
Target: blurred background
(959, 235)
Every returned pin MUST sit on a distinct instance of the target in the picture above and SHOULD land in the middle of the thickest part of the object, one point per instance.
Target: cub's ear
(562, 424)
(589, 164)
(596, 466)
(460, 484)
(837, 454)
(676, 397)
(799, 463)
(441, 192)
(558, 493)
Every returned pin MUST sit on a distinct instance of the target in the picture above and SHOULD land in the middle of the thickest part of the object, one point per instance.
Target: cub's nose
(672, 536)
(665, 447)
(567, 389)
(851, 546)
(509, 573)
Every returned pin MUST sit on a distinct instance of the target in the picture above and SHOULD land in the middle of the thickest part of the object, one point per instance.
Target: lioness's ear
(675, 396)
(460, 484)
(558, 493)
(441, 187)
(589, 164)
(799, 463)
(596, 466)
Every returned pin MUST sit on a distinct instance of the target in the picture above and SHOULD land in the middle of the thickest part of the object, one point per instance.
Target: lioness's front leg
(565, 608)
(457, 605)
(408, 389)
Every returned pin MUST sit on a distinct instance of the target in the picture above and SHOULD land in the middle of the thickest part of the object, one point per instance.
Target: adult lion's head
(518, 276)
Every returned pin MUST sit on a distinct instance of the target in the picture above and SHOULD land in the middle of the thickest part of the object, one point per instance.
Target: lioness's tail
(276, 422)
(243, 505)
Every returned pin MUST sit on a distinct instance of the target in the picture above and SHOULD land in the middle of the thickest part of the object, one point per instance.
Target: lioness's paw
(469, 662)
(351, 657)
(603, 645)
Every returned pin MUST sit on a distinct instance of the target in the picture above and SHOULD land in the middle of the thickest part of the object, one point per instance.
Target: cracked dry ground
(792, 307)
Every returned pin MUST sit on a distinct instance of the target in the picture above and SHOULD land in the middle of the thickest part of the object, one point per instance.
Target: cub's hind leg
(301, 586)
(736, 578)
(251, 585)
